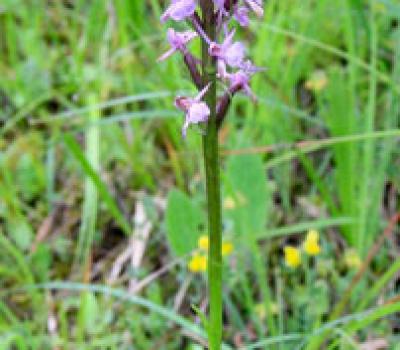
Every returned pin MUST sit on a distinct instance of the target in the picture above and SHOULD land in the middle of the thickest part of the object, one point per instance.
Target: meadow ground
(102, 204)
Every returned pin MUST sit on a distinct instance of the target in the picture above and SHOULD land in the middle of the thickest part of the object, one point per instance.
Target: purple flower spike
(196, 110)
(178, 42)
(179, 10)
(232, 54)
(233, 67)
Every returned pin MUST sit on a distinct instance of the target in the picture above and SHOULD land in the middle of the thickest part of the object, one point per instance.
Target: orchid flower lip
(196, 111)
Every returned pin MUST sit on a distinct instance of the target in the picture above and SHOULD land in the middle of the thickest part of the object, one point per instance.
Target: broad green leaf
(20, 231)
(88, 313)
(41, 262)
(29, 176)
(183, 223)
(247, 195)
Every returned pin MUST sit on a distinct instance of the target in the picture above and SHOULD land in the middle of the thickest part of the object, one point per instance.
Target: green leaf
(29, 176)
(247, 194)
(20, 231)
(88, 313)
(183, 222)
(41, 262)
(318, 300)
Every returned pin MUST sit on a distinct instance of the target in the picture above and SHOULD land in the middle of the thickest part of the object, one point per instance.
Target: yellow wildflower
(198, 263)
(227, 248)
(203, 242)
(261, 311)
(311, 245)
(317, 81)
(379, 8)
(229, 203)
(292, 256)
(352, 259)
(291, 50)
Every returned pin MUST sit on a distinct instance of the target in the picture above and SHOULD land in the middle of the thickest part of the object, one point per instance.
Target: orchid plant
(222, 59)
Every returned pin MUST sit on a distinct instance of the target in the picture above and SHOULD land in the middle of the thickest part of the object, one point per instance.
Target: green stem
(211, 163)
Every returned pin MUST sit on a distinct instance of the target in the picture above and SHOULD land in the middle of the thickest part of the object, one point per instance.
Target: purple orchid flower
(177, 41)
(196, 110)
(232, 53)
(250, 68)
(240, 79)
(240, 13)
(179, 10)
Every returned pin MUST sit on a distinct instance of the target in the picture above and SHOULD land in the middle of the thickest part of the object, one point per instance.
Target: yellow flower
(227, 248)
(292, 256)
(261, 311)
(317, 81)
(229, 203)
(380, 8)
(198, 263)
(203, 242)
(352, 259)
(311, 245)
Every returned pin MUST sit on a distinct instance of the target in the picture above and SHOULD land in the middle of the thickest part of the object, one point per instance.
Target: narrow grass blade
(89, 210)
(76, 151)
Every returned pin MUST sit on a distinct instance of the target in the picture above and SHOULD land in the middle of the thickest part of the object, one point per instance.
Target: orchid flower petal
(201, 94)
(179, 10)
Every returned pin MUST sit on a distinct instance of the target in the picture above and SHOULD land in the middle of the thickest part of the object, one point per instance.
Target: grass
(88, 130)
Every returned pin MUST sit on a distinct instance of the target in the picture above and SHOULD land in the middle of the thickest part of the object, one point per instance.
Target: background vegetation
(102, 202)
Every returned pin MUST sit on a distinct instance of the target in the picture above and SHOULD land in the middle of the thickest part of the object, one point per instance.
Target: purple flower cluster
(234, 69)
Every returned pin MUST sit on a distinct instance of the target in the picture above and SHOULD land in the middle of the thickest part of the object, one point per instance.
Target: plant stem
(211, 163)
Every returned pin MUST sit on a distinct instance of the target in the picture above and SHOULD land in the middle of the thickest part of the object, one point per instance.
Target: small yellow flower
(352, 259)
(261, 311)
(227, 248)
(311, 245)
(292, 256)
(198, 263)
(317, 81)
(291, 50)
(380, 8)
(203, 242)
(229, 203)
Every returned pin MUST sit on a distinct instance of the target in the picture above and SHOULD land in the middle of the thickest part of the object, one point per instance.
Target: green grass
(88, 129)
